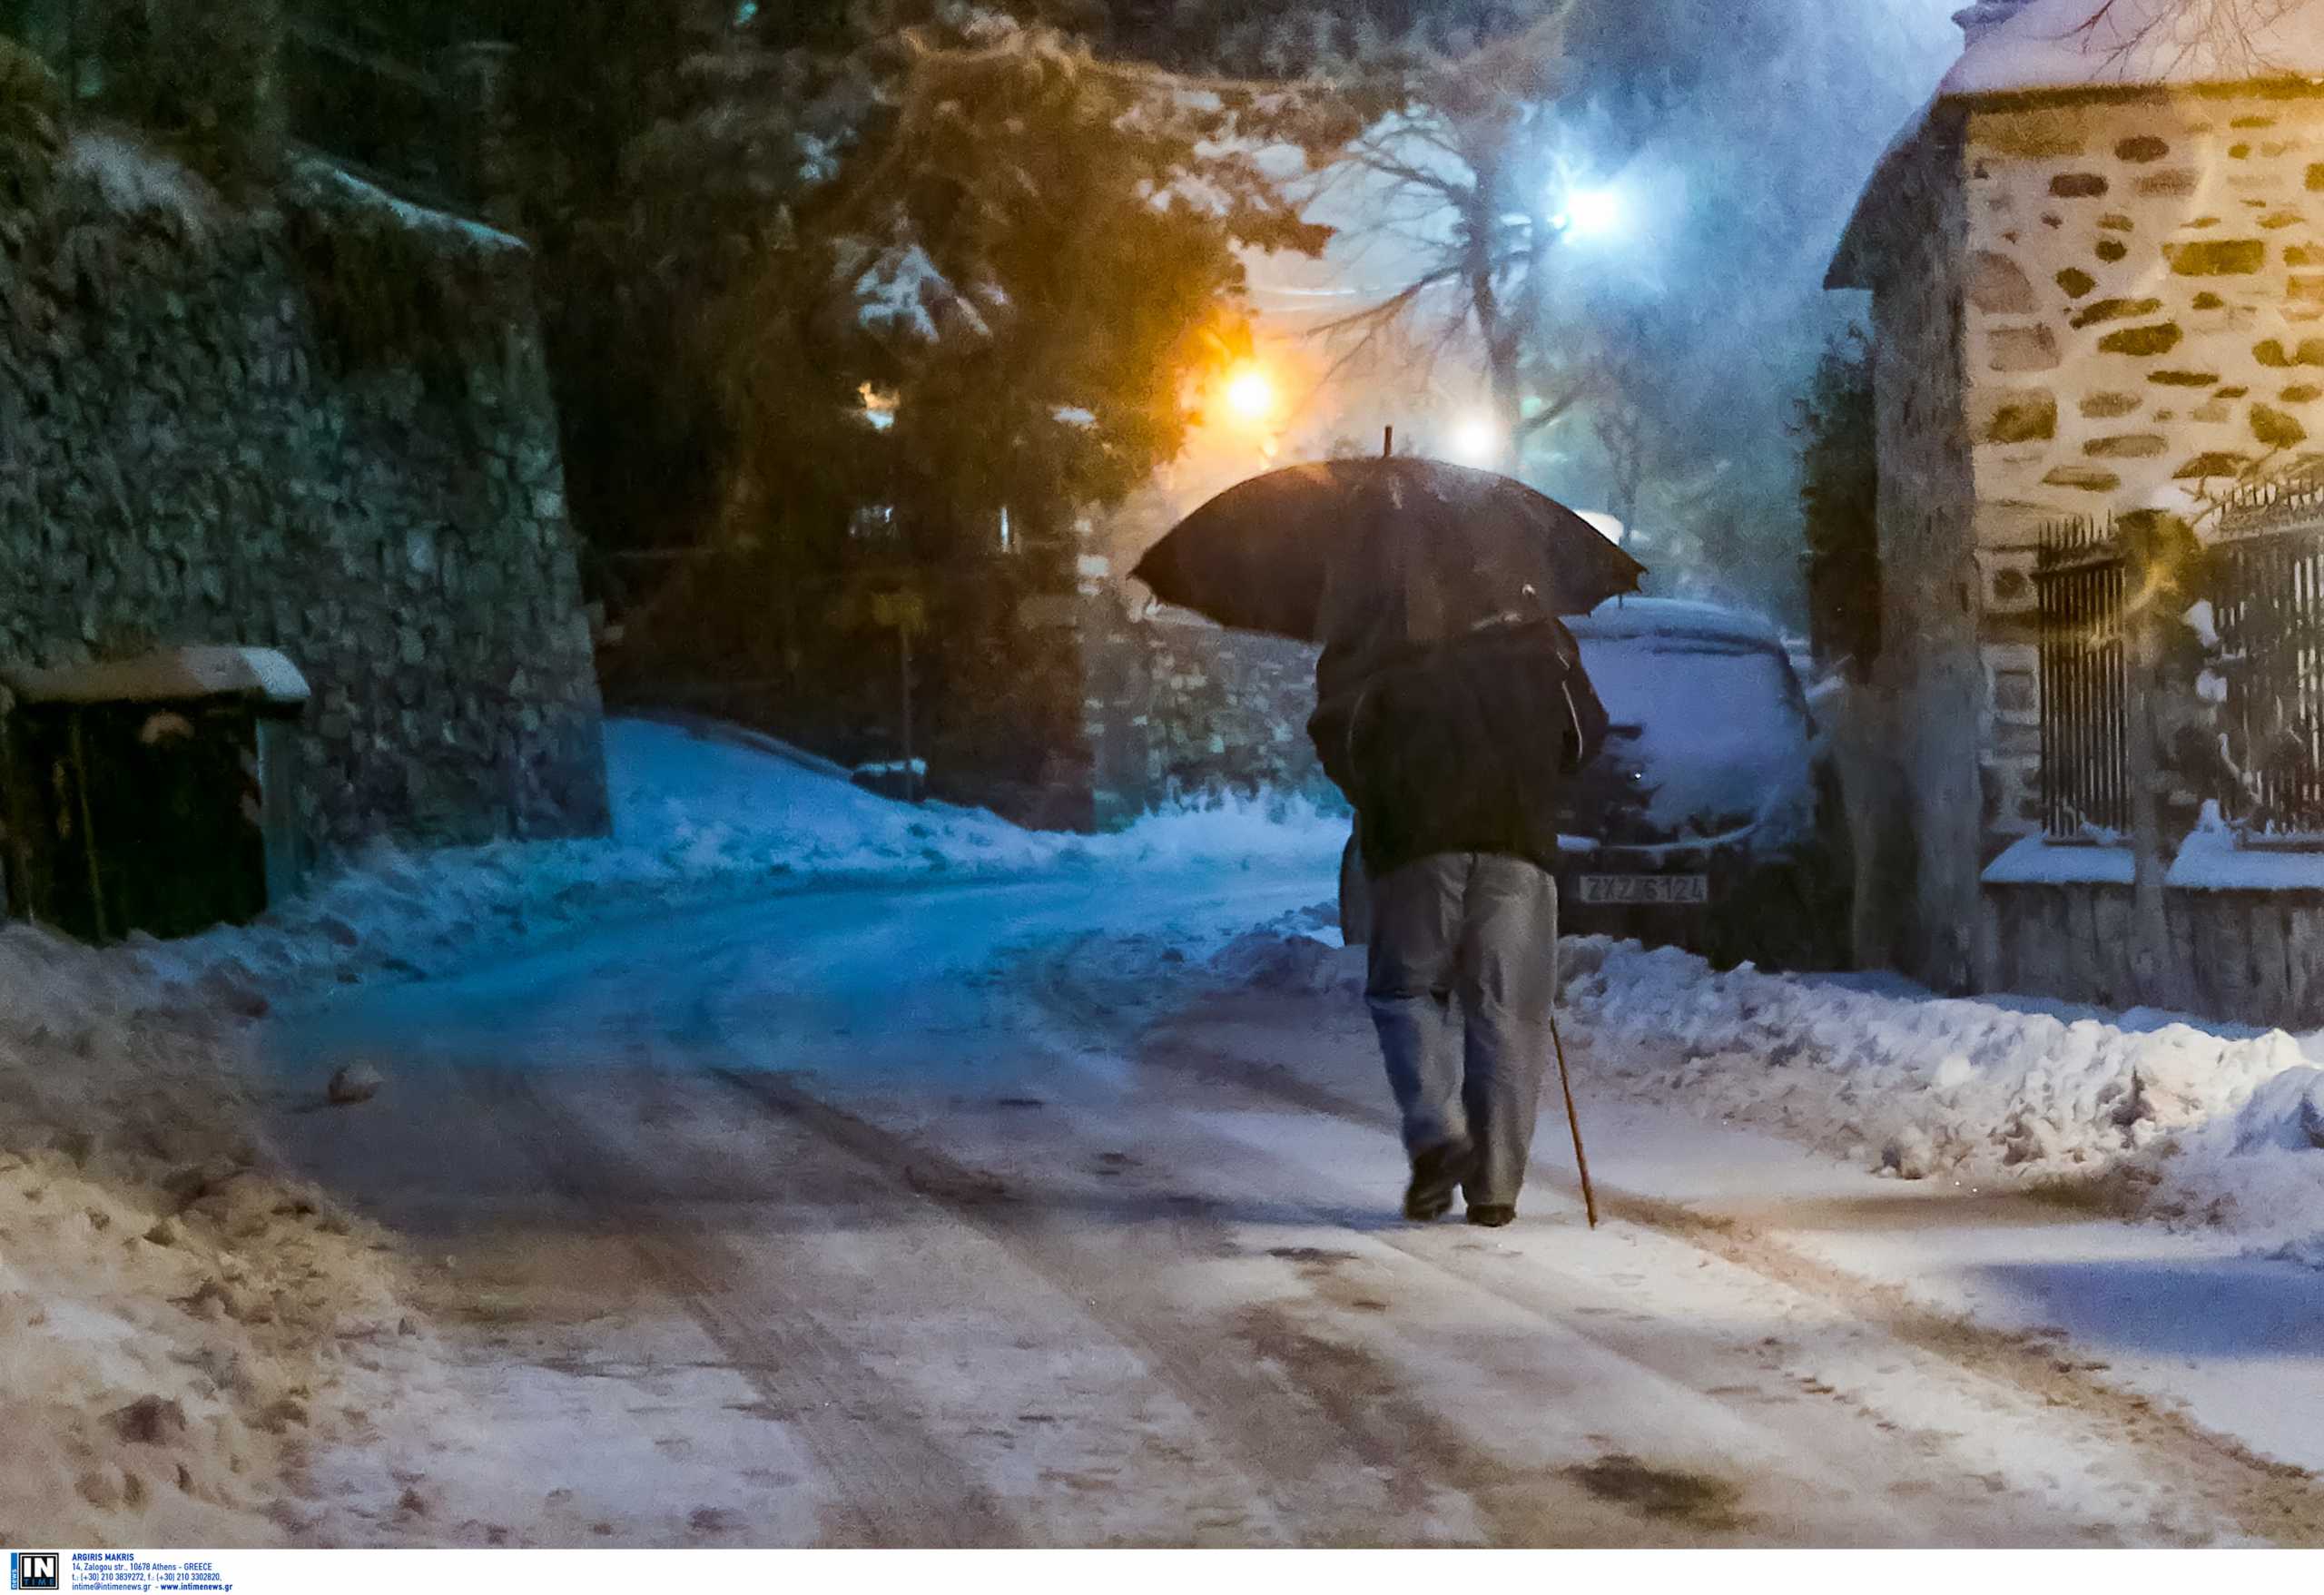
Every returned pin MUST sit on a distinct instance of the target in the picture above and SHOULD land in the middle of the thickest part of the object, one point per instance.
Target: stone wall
(2145, 326)
(320, 423)
(2250, 956)
(1929, 687)
(1178, 707)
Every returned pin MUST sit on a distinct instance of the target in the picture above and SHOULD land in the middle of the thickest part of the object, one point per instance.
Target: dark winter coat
(1463, 746)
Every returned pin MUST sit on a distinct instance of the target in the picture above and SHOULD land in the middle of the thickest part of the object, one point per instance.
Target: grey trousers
(1483, 929)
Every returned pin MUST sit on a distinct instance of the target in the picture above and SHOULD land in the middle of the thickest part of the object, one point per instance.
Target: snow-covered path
(883, 1216)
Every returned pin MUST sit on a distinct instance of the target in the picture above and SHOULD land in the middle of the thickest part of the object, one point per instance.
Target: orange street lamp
(1250, 394)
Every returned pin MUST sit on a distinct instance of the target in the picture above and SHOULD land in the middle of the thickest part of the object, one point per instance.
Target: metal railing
(2266, 581)
(2293, 499)
(2081, 582)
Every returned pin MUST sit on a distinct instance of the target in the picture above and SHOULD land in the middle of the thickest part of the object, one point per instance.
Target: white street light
(1476, 439)
(1591, 212)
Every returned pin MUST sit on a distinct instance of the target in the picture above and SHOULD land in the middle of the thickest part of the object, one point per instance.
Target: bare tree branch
(2166, 37)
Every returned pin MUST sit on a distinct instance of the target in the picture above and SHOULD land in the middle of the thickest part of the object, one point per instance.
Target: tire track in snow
(896, 1485)
(1824, 1467)
(2274, 1501)
(1317, 1454)
(1356, 1370)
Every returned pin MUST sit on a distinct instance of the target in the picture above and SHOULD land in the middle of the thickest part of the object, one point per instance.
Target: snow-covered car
(1703, 822)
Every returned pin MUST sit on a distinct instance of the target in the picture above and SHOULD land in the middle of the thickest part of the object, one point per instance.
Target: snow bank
(2180, 1121)
(1304, 953)
(176, 1322)
(1919, 1085)
(698, 813)
(2259, 1171)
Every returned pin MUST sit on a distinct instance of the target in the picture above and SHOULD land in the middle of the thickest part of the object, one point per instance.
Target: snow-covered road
(899, 1216)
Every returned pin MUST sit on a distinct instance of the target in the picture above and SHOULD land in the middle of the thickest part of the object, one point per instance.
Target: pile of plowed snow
(698, 813)
(2214, 1124)
(178, 1323)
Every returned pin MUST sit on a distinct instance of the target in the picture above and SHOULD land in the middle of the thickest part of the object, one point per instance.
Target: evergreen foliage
(32, 127)
(1838, 497)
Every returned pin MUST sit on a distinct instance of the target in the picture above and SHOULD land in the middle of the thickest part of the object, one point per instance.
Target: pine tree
(905, 270)
(1838, 498)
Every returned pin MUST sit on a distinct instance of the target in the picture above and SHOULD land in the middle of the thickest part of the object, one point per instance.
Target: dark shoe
(1492, 1214)
(1437, 1173)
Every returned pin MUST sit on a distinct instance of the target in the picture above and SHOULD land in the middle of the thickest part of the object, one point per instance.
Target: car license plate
(1645, 888)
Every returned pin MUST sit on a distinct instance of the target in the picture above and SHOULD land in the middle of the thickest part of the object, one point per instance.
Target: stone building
(2096, 261)
(314, 418)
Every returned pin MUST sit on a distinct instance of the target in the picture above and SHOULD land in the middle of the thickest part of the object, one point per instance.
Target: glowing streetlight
(1476, 439)
(1591, 213)
(1250, 394)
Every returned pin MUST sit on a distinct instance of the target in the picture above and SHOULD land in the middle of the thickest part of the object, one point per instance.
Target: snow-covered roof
(172, 675)
(2065, 45)
(325, 180)
(1641, 618)
(2113, 44)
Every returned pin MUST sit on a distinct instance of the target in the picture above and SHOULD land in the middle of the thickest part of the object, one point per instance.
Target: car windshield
(1712, 730)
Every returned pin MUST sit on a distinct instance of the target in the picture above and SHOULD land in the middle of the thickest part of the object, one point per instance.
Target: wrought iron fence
(2266, 583)
(2080, 585)
(2293, 500)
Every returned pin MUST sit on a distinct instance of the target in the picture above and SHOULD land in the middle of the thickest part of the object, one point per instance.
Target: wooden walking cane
(1589, 1197)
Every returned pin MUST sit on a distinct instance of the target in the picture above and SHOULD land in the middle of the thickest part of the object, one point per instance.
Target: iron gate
(2267, 590)
(2080, 586)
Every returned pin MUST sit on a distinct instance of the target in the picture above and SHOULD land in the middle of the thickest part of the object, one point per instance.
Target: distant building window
(872, 523)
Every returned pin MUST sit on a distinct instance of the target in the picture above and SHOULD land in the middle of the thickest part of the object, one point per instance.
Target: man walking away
(1453, 754)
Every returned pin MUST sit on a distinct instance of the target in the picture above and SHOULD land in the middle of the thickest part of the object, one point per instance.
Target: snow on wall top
(134, 180)
(2035, 861)
(172, 675)
(2095, 44)
(326, 180)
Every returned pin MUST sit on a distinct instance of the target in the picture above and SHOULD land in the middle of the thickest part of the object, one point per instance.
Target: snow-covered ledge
(2035, 861)
(2211, 860)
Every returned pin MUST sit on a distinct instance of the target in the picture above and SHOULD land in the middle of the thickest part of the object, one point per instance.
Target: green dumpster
(152, 794)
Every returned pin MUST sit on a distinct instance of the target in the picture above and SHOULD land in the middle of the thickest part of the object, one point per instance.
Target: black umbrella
(1364, 554)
